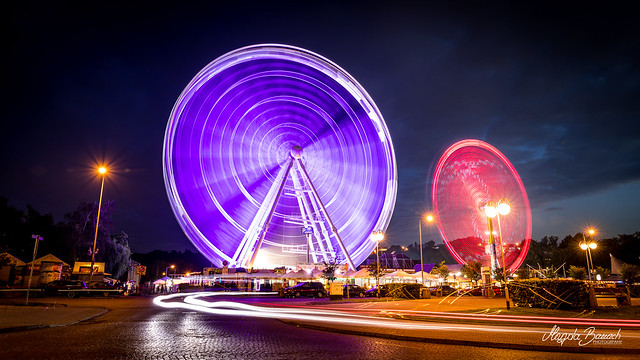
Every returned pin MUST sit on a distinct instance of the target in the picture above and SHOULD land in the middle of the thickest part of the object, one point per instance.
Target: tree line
(70, 240)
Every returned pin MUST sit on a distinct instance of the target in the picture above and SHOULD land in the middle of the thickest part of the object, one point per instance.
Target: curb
(497, 345)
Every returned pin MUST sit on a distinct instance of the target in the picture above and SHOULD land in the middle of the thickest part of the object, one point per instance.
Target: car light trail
(352, 318)
(230, 308)
(551, 320)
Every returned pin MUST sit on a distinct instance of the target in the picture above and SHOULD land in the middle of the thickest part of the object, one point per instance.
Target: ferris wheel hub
(296, 152)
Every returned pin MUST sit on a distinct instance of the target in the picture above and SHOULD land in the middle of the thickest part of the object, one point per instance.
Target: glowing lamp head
(591, 231)
(377, 236)
(504, 207)
(102, 170)
(584, 246)
(593, 245)
(491, 210)
(429, 218)
(172, 266)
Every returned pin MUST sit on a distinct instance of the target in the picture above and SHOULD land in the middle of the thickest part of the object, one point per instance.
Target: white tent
(427, 276)
(363, 273)
(161, 281)
(399, 275)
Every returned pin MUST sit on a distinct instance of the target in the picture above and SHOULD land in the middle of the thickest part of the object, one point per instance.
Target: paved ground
(136, 319)
(135, 329)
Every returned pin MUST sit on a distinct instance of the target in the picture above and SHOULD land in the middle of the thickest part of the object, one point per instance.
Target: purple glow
(234, 127)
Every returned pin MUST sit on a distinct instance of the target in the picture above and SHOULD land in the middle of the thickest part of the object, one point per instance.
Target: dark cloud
(553, 86)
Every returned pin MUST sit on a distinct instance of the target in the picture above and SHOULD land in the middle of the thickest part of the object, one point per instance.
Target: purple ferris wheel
(274, 155)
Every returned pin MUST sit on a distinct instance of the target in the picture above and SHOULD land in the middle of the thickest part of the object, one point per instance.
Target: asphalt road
(136, 329)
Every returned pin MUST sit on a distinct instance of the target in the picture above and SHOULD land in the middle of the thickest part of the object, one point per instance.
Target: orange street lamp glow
(429, 218)
(102, 170)
(491, 210)
(504, 207)
(591, 231)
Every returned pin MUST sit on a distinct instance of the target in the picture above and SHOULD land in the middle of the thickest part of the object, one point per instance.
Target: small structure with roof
(11, 269)
(47, 269)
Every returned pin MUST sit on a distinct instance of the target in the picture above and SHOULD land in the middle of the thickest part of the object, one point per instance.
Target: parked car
(70, 288)
(352, 290)
(373, 292)
(445, 289)
(477, 291)
(307, 288)
(104, 288)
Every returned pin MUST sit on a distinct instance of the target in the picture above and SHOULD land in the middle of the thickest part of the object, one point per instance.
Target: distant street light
(429, 218)
(377, 236)
(103, 172)
(587, 247)
(167, 269)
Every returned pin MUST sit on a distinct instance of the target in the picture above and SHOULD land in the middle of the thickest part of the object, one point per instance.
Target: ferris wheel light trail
(470, 175)
(268, 139)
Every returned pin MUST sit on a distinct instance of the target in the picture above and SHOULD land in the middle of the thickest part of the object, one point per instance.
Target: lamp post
(308, 231)
(587, 247)
(491, 211)
(166, 271)
(377, 236)
(38, 238)
(103, 172)
(429, 218)
(502, 208)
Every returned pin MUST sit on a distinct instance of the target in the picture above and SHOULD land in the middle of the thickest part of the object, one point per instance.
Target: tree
(497, 274)
(472, 270)
(81, 227)
(117, 254)
(630, 274)
(441, 270)
(374, 270)
(329, 271)
(577, 272)
(603, 272)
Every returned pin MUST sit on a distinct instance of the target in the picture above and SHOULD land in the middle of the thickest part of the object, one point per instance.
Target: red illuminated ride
(469, 175)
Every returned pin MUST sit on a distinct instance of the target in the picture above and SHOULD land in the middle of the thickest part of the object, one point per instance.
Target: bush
(630, 274)
(577, 272)
(405, 291)
(550, 294)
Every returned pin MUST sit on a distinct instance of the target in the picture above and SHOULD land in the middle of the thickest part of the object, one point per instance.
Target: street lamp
(167, 269)
(377, 236)
(587, 247)
(103, 172)
(429, 218)
(492, 210)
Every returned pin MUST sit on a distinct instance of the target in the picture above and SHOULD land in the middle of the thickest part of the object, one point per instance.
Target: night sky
(557, 90)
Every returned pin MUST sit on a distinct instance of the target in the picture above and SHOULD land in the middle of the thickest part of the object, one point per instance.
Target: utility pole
(38, 238)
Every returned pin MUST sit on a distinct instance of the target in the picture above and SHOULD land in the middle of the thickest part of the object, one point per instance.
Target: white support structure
(263, 219)
(324, 211)
(313, 214)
